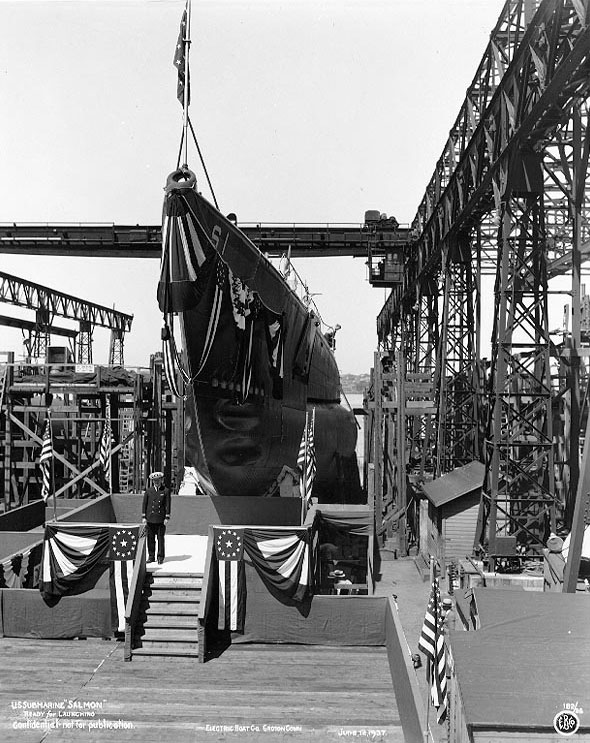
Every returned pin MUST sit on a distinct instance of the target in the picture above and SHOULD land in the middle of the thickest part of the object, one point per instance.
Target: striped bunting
(282, 559)
(120, 575)
(432, 644)
(76, 555)
(170, 366)
(15, 570)
(45, 460)
(229, 549)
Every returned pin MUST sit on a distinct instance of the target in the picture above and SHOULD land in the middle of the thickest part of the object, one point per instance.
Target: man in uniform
(156, 514)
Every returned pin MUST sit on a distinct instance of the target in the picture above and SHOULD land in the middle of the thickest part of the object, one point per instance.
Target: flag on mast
(45, 460)
(180, 59)
(432, 644)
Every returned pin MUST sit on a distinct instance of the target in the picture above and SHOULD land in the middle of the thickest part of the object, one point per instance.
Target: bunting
(45, 460)
(276, 342)
(432, 644)
(15, 570)
(76, 555)
(169, 355)
(282, 559)
(123, 546)
(229, 549)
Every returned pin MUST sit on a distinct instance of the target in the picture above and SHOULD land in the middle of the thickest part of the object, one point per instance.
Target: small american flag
(432, 644)
(306, 459)
(45, 461)
(180, 59)
(106, 445)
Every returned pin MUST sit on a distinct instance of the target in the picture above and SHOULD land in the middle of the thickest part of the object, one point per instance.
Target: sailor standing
(156, 514)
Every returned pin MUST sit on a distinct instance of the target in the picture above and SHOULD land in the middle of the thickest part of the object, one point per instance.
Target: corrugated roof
(461, 481)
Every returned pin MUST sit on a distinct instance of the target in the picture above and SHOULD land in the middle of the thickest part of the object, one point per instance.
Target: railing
(206, 592)
(134, 598)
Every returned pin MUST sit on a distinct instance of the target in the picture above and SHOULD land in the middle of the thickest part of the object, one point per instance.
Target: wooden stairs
(169, 614)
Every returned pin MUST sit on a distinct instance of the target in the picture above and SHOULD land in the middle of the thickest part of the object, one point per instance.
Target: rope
(201, 158)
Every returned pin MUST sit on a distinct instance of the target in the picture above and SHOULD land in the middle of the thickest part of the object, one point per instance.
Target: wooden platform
(300, 693)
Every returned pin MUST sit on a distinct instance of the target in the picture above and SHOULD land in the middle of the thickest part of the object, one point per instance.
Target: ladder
(126, 458)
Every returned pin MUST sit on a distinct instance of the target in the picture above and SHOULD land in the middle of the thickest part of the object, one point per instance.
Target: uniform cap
(154, 475)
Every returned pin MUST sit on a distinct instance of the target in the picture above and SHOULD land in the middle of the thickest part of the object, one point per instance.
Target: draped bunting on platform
(76, 555)
(229, 548)
(281, 557)
(21, 570)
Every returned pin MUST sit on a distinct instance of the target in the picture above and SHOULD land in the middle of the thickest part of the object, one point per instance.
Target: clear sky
(306, 111)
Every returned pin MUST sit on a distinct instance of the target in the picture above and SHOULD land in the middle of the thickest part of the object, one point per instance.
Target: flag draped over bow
(432, 644)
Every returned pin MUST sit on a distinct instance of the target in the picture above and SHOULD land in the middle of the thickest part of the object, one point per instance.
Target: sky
(306, 111)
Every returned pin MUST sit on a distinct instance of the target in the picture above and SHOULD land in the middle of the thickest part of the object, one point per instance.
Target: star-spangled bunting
(180, 60)
(123, 544)
(432, 644)
(76, 555)
(229, 549)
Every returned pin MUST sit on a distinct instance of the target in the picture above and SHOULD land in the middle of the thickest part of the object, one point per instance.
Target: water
(355, 400)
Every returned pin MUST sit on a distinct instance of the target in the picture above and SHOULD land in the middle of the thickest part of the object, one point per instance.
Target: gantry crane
(47, 304)
(508, 195)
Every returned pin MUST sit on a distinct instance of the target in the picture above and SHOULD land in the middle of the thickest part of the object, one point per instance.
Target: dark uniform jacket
(156, 504)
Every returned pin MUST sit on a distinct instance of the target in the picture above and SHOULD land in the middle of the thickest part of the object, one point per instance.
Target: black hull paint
(241, 442)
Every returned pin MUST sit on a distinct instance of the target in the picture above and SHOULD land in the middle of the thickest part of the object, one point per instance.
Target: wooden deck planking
(323, 690)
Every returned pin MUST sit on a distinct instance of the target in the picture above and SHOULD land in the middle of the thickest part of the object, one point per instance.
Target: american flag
(123, 546)
(432, 644)
(229, 548)
(306, 460)
(106, 444)
(45, 461)
(180, 59)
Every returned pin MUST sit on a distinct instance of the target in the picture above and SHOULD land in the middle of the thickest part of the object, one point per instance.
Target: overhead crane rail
(33, 296)
(145, 241)
(47, 304)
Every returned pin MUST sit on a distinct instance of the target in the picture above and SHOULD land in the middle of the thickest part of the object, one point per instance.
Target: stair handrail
(206, 594)
(135, 594)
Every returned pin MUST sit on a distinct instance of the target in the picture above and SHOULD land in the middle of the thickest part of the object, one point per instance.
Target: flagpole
(52, 464)
(187, 46)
